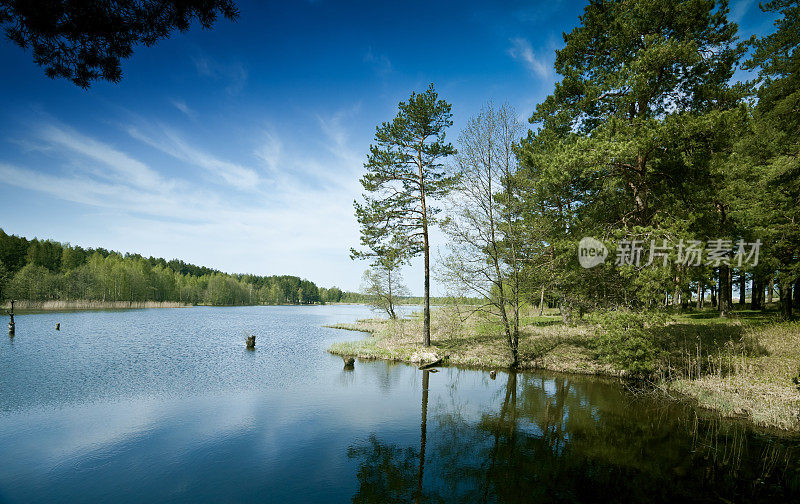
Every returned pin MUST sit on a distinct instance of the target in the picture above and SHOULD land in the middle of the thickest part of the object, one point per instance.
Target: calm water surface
(168, 406)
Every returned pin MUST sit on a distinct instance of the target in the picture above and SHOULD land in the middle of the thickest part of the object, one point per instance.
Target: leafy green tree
(45, 253)
(5, 276)
(55, 271)
(276, 294)
(485, 248)
(332, 295)
(13, 251)
(625, 144)
(72, 257)
(769, 162)
(405, 171)
(35, 283)
(383, 284)
(85, 40)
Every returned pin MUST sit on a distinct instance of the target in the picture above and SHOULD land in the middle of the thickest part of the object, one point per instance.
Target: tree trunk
(676, 296)
(796, 298)
(757, 291)
(714, 296)
(786, 299)
(390, 300)
(701, 292)
(724, 289)
(541, 303)
(770, 289)
(742, 288)
(426, 327)
(729, 290)
(427, 310)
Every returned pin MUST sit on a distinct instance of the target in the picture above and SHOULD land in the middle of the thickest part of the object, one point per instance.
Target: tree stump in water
(11, 325)
(349, 363)
(492, 374)
(58, 326)
(251, 342)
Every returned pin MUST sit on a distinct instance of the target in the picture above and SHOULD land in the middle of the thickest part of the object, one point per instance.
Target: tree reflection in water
(555, 439)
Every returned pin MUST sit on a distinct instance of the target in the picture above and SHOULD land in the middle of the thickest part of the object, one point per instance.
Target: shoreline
(24, 307)
(397, 341)
(756, 391)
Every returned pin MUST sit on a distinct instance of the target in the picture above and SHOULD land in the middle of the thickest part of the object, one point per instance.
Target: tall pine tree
(405, 172)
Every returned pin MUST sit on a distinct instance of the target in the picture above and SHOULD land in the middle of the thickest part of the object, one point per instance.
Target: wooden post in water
(58, 326)
(11, 324)
(251, 342)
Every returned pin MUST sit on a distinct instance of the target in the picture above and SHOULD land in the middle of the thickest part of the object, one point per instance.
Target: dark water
(168, 406)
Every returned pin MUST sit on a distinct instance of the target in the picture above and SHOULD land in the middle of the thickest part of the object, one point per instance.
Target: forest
(43, 270)
(668, 143)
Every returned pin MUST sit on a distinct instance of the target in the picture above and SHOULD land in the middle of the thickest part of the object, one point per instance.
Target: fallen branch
(435, 363)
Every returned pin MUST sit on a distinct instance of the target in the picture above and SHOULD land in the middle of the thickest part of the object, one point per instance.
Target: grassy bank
(756, 383)
(473, 341)
(22, 306)
(741, 366)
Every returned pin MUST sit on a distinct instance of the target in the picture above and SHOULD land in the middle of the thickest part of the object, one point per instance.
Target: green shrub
(625, 341)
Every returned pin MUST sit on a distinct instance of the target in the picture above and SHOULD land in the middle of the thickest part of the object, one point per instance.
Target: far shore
(24, 307)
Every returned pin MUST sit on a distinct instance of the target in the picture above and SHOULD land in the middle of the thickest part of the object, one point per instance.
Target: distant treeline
(359, 298)
(45, 270)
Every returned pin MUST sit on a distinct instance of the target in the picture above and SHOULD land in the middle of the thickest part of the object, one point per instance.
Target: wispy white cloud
(116, 164)
(81, 188)
(234, 73)
(299, 221)
(522, 51)
(337, 134)
(183, 107)
(379, 62)
(171, 143)
(203, 66)
(238, 78)
(270, 150)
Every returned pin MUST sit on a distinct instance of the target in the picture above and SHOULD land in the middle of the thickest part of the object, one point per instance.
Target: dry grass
(473, 340)
(758, 386)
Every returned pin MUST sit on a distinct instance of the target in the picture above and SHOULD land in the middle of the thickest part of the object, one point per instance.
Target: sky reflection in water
(168, 405)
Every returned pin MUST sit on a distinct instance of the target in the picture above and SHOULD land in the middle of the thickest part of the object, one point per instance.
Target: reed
(83, 304)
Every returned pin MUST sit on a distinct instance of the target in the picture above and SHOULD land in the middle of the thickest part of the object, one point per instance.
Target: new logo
(591, 252)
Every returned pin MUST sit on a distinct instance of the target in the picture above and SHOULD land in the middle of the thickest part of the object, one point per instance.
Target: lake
(167, 405)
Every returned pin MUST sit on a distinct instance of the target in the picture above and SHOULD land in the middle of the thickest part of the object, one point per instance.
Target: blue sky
(240, 148)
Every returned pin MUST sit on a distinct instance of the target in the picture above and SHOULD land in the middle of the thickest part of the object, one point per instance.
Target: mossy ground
(739, 366)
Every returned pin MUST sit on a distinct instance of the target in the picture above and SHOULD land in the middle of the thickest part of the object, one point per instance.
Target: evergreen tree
(405, 172)
(625, 143)
(768, 175)
(85, 40)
